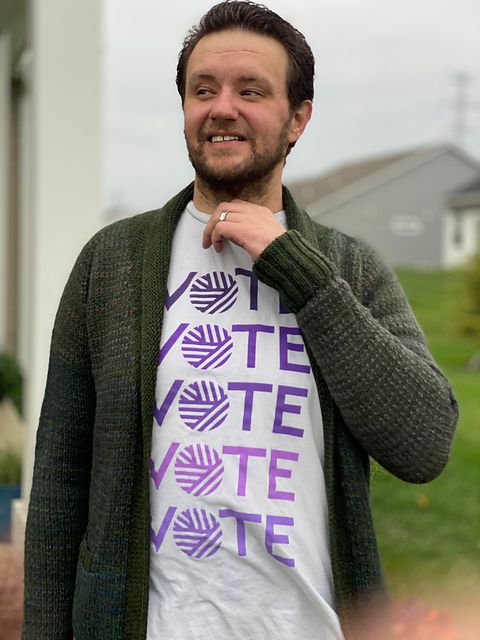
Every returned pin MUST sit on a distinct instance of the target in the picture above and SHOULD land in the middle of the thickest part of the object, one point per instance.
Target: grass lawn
(429, 535)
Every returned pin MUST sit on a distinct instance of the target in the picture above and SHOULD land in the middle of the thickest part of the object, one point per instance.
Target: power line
(461, 106)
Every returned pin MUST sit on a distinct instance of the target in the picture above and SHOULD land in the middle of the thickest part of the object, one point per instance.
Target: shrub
(10, 467)
(470, 318)
(10, 380)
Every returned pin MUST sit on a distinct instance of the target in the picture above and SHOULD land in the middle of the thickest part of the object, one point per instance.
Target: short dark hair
(243, 14)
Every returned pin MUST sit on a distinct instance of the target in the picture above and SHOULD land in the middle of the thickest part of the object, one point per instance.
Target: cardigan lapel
(300, 221)
(151, 269)
(156, 266)
(358, 579)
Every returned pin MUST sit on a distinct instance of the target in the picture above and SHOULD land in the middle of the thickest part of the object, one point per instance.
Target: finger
(217, 240)
(222, 207)
(218, 245)
(207, 237)
(210, 226)
(224, 231)
(214, 221)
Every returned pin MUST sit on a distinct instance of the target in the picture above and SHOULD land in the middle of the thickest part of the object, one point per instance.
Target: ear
(299, 120)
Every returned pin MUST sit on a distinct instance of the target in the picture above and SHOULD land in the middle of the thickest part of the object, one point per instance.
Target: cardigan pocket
(84, 554)
(98, 603)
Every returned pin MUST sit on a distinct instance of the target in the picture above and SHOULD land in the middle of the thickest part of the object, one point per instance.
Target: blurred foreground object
(11, 593)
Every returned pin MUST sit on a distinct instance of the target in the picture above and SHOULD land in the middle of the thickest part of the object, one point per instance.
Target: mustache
(205, 135)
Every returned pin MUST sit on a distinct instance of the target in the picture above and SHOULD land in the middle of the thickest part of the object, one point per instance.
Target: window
(458, 229)
(406, 225)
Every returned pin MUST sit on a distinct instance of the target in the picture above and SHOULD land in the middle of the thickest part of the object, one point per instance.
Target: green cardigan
(87, 539)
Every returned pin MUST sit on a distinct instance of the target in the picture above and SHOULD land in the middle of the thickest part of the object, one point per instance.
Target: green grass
(436, 298)
(429, 535)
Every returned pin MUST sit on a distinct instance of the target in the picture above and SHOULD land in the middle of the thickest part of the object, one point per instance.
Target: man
(217, 384)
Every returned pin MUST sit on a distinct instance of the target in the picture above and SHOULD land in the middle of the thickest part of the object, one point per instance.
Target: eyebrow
(201, 76)
(245, 78)
(260, 79)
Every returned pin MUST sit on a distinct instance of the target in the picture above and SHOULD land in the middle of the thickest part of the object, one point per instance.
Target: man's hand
(248, 225)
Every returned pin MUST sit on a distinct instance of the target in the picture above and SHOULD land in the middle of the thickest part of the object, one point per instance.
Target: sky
(384, 83)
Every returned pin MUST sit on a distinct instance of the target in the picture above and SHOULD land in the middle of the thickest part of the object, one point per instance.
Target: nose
(223, 106)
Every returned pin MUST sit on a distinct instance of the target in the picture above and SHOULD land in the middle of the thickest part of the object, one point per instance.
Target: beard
(249, 176)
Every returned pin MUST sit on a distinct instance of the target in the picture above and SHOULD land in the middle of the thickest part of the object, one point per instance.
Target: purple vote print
(199, 470)
(197, 533)
(214, 292)
(203, 406)
(207, 346)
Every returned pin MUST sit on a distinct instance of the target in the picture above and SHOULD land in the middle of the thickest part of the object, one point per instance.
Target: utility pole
(460, 106)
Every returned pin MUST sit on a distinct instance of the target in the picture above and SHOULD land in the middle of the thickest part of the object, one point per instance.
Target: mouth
(215, 139)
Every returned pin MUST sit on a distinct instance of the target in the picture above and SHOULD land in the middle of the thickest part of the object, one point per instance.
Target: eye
(203, 91)
(251, 93)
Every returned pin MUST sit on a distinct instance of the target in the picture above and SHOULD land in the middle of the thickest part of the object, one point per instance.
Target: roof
(467, 196)
(307, 191)
(347, 177)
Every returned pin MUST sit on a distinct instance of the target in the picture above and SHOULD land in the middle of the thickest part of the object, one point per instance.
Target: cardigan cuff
(292, 266)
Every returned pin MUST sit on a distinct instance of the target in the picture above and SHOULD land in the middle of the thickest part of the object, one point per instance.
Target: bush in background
(10, 467)
(10, 380)
(469, 317)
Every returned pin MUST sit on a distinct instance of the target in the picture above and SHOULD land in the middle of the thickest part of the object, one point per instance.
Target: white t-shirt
(239, 535)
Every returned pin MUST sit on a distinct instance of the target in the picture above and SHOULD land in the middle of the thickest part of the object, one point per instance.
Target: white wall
(4, 177)
(65, 202)
(25, 210)
(468, 223)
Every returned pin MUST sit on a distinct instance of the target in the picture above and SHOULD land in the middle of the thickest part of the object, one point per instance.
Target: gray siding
(414, 200)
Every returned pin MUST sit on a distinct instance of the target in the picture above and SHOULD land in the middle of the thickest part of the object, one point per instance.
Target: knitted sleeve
(371, 353)
(58, 506)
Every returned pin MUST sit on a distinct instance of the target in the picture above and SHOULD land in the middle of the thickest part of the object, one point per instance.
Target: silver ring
(223, 215)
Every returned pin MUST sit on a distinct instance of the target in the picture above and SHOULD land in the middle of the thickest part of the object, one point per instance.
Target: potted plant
(11, 439)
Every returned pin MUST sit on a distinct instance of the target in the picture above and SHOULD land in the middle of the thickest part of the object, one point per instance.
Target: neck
(207, 198)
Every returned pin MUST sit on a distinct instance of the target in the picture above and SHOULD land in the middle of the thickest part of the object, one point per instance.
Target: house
(408, 205)
(465, 221)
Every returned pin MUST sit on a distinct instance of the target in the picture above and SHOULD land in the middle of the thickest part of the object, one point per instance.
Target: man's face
(238, 122)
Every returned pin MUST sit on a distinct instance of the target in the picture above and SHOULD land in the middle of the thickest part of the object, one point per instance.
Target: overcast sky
(384, 82)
